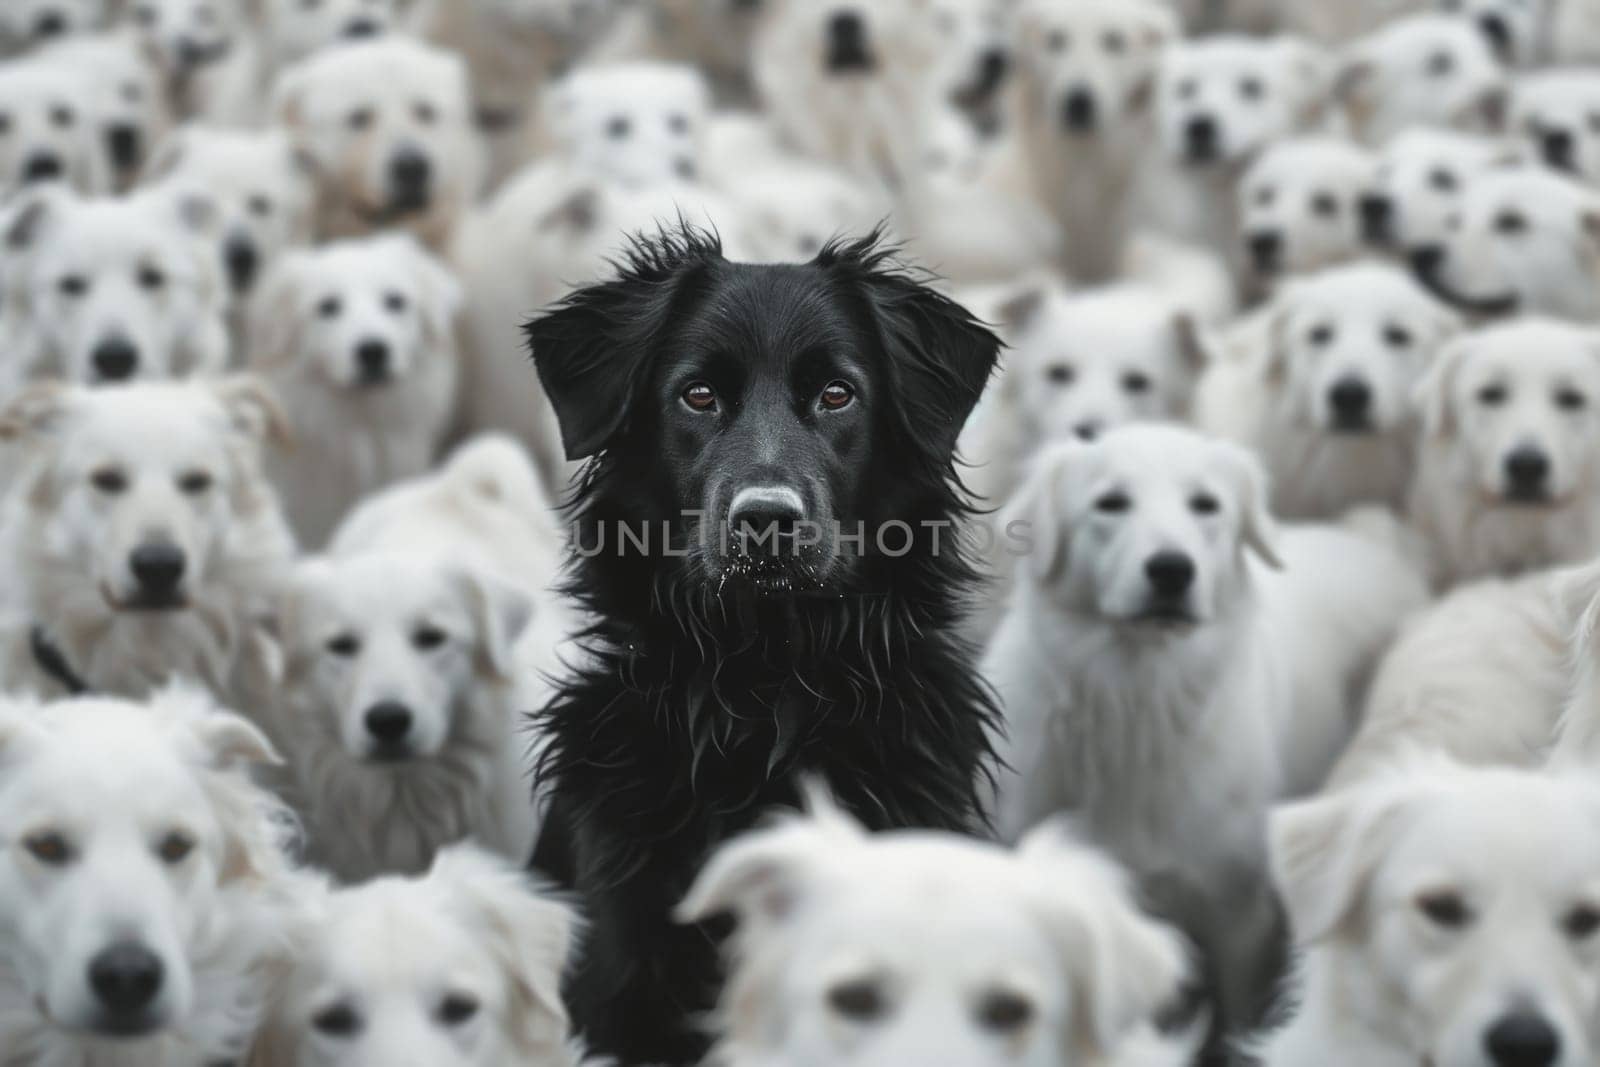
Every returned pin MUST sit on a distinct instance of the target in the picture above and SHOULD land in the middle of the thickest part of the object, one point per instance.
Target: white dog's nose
(1523, 1041)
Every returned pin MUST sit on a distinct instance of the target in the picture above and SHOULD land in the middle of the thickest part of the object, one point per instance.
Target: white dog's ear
(31, 217)
(1125, 966)
(529, 933)
(1020, 309)
(167, 156)
(273, 321)
(760, 876)
(1431, 395)
(1035, 508)
(37, 411)
(230, 742)
(1325, 850)
(1258, 529)
(253, 408)
(499, 613)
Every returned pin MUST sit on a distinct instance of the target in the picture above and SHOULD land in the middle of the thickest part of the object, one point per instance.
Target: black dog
(764, 534)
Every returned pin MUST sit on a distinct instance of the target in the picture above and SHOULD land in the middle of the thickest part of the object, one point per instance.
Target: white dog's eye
(618, 127)
(425, 112)
(345, 645)
(1571, 400)
(1325, 205)
(1116, 43)
(1594, 121)
(339, 1020)
(73, 285)
(1440, 64)
(1136, 382)
(63, 116)
(5, 124)
(395, 301)
(1252, 89)
(145, 15)
(1581, 922)
(1492, 396)
(1321, 336)
(1397, 337)
(175, 847)
(109, 480)
(457, 1008)
(329, 307)
(1445, 908)
(151, 278)
(259, 205)
(1113, 503)
(132, 94)
(310, 5)
(1204, 504)
(1061, 373)
(1058, 41)
(428, 638)
(1005, 1011)
(359, 119)
(1265, 196)
(859, 1001)
(195, 482)
(1443, 181)
(678, 123)
(49, 848)
(1511, 223)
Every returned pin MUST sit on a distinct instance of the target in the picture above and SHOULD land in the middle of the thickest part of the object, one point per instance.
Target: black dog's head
(789, 421)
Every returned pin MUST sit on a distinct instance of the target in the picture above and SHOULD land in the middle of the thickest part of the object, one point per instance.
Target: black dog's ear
(940, 357)
(592, 349)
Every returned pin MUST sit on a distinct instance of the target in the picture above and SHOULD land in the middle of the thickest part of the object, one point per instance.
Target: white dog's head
(129, 105)
(126, 831)
(1148, 525)
(1558, 114)
(1422, 70)
(387, 124)
(1418, 186)
(1522, 239)
(25, 24)
(1514, 29)
(389, 655)
(48, 128)
(637, 123)
(120, 289)
(909, 948)
(184, 37)
(1090, 67)
(458, 968)
(1519, 406)
(294, 29)
(146, 496)
(1223, 99)
(1458, 909)
(1081, 364)
(365, 313)
(260, 188)
(1347, 346)
(1300, 205)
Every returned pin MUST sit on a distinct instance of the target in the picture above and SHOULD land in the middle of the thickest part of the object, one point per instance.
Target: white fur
(1422, 70)
(1436, 905)
(357, 421)
(117, 785)
(1532, 386)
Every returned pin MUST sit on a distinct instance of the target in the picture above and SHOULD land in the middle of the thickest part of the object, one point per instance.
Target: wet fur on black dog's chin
(703, 701)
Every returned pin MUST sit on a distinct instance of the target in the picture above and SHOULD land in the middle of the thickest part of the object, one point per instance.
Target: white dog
(358, 340)
(294, 29)
(634, 123)
(260, 189)
(144, 888)
(458, 968)
(1418, 71)
(1085, 115)
(144, 537)
(1300, 206)
(49, 129)
(1517, 30)
(1448, 917)
(208, 54)
(1557, 113)
(1322, 389)
(1145, 633)
(387, 126)
(910, 948)
(1421, 174)
(25, 24)
(1523, 240)
(116, 289)
(1508, 478)
(129, 102)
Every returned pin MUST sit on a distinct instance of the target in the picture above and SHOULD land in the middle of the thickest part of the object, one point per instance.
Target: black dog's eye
(1325, 205)
(1136, 382)
(1443, 181)
(457, 1008)
(1492, 396)
(1113, 503)
(338, 1021)
(109, 480)
(195, 482)
(73, 285)
(1321, 336)
(1061, 373)
(49, 848)
(1581, 922)
(1397, 337)
(329, 307)
(1005, 1011)
(860, 1001)
(1446, 908)
(1571, 400)
(700, 397)
(1511, 223)
(836, 395)
(151, 278)
(345, 645)
(1204, 504)
(428, 638)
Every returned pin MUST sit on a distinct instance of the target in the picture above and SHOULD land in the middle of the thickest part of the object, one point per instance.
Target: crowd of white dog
(1301, 408)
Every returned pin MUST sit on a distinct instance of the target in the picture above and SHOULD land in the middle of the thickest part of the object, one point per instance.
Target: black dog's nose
(1170, 573)
(1351, 401)
(126, 978)
(50, 24)
(1200, 134)
(1498, 31)
(1266, 250)
(388, 722)
(242, 260)
(115, 359)
(158, 567)
(1557, 146)
(1377, 216)
(372, 357)
(357, 28)
(1523, 1041)
(1527, 470)
(1079, 110)
(762, 515)
(124, 143)
(410, 171)
(42, 166)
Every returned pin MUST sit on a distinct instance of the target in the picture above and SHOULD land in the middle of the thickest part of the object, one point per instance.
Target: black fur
(715, 682)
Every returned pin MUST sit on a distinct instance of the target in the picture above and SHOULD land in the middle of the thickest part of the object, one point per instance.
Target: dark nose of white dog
(157, 567)
(1170, 573)
(126, 978)
(389, 722)
(1523, 1041)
